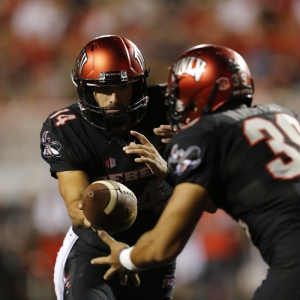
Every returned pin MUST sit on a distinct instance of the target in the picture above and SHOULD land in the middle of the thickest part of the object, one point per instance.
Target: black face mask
(101, 118)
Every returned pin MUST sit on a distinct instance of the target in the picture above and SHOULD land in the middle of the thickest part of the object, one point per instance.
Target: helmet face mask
(206, 79)
(105, 61)
(102, 118)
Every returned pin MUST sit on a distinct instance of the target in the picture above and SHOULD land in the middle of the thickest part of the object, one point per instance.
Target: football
(109, 205)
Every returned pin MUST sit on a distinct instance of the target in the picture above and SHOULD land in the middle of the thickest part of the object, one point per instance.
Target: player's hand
(114, 262)
(148, 155)
(166, 132)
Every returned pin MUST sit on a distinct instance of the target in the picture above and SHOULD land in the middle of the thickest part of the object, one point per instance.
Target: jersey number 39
(274, 134)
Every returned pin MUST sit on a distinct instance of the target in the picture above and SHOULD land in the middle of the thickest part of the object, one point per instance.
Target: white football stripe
(113, 196)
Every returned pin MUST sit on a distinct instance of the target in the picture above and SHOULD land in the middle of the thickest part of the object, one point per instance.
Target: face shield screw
(102, 77)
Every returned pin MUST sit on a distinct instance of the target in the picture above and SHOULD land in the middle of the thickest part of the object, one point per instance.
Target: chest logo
(110, 162)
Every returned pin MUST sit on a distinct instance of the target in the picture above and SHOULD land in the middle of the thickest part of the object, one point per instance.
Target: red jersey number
(61, 117)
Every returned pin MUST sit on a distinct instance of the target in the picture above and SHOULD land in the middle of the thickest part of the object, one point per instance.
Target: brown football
(109, 205)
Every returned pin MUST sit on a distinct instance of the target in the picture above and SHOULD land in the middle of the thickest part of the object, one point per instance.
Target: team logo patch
(182, 160)
(110, 162)
(50, 148)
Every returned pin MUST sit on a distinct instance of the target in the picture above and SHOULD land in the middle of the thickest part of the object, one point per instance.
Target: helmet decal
(190, 65)
(233, 66)
(104, 76)
(223, 83)
(81, 60)
(138, 55)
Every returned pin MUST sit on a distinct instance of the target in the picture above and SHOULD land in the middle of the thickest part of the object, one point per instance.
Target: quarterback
(84, 142)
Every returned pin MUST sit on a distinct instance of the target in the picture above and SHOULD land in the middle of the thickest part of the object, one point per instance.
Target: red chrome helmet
(206, 79)
(110, 60)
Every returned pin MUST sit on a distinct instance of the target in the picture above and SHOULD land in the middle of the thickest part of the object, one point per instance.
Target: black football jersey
(69, 142)
(249, 161)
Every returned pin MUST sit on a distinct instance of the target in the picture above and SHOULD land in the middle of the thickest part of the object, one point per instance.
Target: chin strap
(207, 107)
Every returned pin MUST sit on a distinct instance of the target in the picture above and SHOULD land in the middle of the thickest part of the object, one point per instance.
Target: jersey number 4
(285, 126)
(62, 118)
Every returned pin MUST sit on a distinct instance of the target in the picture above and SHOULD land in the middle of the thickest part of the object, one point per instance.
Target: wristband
(125, 260)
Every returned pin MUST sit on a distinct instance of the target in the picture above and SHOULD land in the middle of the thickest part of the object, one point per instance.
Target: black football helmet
(110, 60)
(206, 79)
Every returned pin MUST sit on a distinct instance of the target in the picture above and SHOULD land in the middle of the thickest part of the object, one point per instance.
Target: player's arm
(72, 184)
(173, 229)
(162, 244)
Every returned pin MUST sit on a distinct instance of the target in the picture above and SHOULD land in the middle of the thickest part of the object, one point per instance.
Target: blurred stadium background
(39, 41)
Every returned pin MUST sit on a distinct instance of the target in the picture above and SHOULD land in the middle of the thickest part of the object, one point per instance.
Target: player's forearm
(76, 215)
(173, 229)
(151, 253)
(72, 185)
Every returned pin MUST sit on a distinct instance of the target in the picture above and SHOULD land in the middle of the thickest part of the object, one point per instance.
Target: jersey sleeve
(61, 149)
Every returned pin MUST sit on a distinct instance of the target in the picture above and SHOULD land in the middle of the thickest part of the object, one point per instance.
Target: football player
(245, 159)
(84, 143)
